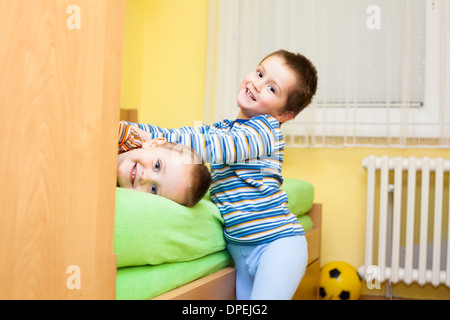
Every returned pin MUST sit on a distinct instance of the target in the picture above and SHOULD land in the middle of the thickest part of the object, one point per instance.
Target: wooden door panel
(59, 107)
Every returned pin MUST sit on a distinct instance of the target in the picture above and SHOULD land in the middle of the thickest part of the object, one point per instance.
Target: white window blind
(383, 66)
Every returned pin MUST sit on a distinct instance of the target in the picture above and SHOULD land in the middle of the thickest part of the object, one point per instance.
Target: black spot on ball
(322, 292)
(345, 295)
(334, 273)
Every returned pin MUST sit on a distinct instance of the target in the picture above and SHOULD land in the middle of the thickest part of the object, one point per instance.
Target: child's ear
(285, 116)
(153, 143)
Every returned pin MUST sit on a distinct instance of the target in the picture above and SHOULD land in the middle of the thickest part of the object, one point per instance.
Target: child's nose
(146, 175)
(256, 85)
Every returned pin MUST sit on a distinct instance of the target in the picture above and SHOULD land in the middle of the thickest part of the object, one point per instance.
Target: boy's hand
(145, 136)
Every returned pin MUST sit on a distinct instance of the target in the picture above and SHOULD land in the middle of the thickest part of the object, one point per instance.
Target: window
(383, 65)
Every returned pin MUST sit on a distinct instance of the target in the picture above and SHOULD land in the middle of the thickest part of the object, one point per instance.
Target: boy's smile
(250, 94)
(133, 173)
(265, 90)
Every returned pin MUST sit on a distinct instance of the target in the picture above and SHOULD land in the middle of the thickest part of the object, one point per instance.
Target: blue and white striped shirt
(246, 158)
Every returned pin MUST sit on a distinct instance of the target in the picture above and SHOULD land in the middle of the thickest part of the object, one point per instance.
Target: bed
(168, 251)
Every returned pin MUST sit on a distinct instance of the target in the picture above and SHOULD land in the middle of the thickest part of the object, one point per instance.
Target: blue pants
(269, 271)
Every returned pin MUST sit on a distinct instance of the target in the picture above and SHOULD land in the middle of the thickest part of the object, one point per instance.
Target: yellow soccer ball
(339, 281)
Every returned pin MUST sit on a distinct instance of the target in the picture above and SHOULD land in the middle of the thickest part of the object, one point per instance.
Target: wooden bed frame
(221, 285)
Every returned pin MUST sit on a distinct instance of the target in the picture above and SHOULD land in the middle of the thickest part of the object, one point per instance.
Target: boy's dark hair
(200, 176)
(199, 183)
(300, 96)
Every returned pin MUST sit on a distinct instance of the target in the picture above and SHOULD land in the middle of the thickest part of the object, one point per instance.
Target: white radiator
(407, 222)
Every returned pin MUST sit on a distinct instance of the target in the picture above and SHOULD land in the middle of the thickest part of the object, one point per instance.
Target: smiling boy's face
(265, 90)
(155, 169)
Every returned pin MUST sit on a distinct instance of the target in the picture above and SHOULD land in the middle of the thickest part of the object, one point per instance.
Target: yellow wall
(164, 60)
(133, 55)
(165, 80)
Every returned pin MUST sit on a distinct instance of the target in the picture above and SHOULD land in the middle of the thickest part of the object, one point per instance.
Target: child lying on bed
(264, 238)
(156, 166)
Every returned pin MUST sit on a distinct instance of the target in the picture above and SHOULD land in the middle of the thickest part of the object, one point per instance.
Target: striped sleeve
(217, 144)
(128, 138)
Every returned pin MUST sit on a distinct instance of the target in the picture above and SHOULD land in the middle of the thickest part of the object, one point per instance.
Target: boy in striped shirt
(264, 238)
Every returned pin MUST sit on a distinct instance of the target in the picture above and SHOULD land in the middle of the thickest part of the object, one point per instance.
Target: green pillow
(306, 222)
(151, 230)
(300, 195)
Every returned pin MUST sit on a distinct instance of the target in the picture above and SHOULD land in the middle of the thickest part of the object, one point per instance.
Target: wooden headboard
(130, 115)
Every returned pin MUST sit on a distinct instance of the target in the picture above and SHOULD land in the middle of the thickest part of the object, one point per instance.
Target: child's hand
(145, 136)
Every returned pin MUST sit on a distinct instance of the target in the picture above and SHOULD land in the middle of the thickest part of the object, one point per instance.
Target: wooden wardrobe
(60, 64)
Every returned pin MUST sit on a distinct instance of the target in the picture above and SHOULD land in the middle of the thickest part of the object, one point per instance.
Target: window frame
(385, 121)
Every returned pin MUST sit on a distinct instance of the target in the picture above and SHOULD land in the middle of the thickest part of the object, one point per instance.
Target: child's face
(153, 169)
(265, 90)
